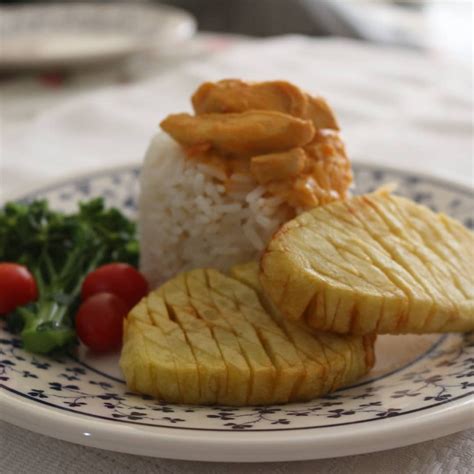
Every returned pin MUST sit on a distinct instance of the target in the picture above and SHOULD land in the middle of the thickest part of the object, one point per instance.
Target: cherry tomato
(120, 279)
(99, 322)
(17, 286)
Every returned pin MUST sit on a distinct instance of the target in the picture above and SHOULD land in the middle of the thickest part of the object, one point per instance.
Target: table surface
(23, 452)
(396, 108)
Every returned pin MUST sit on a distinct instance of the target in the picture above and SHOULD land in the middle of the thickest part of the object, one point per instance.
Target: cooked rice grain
(187, 220)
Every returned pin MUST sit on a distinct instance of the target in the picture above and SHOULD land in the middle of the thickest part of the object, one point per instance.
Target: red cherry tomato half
(17, 287)
(99, 322)
(120, 279)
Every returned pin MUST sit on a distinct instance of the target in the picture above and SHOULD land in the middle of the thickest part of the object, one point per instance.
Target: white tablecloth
(22, 452)
(396, 108)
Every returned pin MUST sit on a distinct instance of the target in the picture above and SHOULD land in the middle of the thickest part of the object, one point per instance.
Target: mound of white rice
(187, 219)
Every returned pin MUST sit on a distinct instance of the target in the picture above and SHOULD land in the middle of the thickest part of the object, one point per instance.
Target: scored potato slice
(333, 353)
(187, 376)
(211, 367)
(374, 263)
(217, 343)
(255, 373)
(243, 301)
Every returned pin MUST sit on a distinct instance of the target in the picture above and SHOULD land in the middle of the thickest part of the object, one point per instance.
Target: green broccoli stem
(48, 326)
(49, 323)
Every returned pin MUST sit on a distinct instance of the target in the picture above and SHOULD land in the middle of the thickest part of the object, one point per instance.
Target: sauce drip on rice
(269, 133)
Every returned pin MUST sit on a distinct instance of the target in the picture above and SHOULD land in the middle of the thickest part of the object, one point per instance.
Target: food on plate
(240, 135)
(60, 250)
(258, 174)
(99, 321)
(17, 287)
(233, 95)
(205, 338)
(120, 279)
(216, 185)
(374, 263)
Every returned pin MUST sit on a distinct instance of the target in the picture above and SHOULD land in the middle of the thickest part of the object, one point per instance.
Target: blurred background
(93, 43)
(445, 26)
(441, 26)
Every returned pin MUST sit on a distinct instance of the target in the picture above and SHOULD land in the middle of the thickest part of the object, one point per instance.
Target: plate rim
(242, 446)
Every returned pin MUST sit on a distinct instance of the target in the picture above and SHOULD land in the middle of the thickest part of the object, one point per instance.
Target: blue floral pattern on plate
(441, 374)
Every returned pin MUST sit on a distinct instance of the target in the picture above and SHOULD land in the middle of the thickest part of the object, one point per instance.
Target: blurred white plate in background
(66, 35)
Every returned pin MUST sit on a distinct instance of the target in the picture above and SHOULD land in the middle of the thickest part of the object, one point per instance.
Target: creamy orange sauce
(312, 171)
(324, 176)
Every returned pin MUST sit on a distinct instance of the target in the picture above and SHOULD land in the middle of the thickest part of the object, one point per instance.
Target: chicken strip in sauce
(233, 96)
(244, 134)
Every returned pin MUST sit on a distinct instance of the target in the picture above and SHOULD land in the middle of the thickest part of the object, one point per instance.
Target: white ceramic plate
(73, 34)
(421, 387)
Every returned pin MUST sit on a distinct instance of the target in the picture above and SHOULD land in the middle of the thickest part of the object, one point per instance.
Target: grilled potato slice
(375, 263)
(332, 353)
(216, 343)
(211, 367)
(243, 301)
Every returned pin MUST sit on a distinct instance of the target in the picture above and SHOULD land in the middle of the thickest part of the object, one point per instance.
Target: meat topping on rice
(271, 133)
(217, 185)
